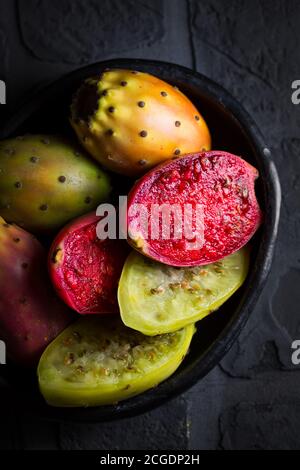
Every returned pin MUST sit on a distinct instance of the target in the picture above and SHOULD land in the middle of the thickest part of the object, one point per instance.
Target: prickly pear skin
(45, 181)
(131, 121)
(31, 315)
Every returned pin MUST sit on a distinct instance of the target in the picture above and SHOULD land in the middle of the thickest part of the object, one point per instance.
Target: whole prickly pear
(31, 315)
(46, 180)
(130, 121)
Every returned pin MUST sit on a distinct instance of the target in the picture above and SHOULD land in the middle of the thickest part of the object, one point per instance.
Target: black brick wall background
(251, 399)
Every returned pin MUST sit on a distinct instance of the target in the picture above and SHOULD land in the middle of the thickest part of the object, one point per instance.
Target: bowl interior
(48, 112)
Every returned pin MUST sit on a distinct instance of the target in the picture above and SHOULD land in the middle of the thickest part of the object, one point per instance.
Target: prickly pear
(46, 180)
(84, 269)
(31, 315)
(201, 208)
(130, 121)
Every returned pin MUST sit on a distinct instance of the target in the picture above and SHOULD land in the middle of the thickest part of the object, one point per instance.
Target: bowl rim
(257, 277)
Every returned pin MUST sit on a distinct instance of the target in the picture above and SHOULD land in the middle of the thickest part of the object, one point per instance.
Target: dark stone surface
(286, 301)
(251, 400)
(249, 48)
(77, 32)
(150, 431)
(260, 426)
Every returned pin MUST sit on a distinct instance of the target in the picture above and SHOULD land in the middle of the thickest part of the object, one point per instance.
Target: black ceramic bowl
(232, 130)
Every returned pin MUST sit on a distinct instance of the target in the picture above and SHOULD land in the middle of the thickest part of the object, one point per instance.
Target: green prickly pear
(31, 315)
(131, 121)
(45, 181)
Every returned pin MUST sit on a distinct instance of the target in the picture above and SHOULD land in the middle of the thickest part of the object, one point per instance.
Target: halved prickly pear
(130, 121)
(155, 298)
(31, 315)
(98, 361)
(194, 210)
(45, 181)
(84, 269)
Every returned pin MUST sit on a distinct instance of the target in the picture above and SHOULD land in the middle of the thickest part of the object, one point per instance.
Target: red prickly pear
(31, 315)
(216, 209)
(84, 269)
(130, 121)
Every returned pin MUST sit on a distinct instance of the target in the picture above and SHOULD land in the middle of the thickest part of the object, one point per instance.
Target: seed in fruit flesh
(155, 298)
(99, 361)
